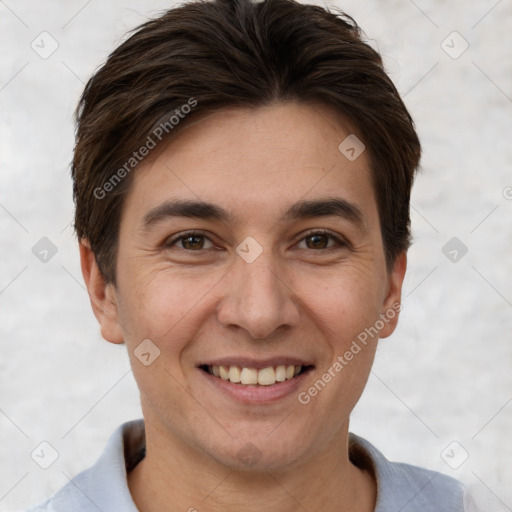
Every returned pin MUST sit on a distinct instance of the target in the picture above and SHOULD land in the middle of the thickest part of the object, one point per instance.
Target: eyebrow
(335, 207)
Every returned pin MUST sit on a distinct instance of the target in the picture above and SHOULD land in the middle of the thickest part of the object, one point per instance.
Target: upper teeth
(264, 377)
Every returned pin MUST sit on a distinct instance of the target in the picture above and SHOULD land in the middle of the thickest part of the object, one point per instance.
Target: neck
(175, 476)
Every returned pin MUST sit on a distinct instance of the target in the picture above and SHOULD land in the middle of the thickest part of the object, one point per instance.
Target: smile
(253, 376)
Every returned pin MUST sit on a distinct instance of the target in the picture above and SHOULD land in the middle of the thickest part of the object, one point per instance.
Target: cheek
(167, 308)
(343, 303)
(157, 308)
(154, 301)
(345, 311)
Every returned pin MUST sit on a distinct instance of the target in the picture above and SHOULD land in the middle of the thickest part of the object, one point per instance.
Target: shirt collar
(398, 485)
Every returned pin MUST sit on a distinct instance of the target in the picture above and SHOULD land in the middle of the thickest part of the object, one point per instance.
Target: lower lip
(256, 394)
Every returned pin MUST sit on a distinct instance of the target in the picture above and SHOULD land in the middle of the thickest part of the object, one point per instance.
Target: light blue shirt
(103, 487)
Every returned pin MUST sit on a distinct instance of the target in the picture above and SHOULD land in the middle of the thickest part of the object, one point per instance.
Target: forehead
(256, 163)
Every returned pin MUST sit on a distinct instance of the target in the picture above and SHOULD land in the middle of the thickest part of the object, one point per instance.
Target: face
(260, 285)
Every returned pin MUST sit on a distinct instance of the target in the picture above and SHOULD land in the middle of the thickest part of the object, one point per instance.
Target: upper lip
(249, 362)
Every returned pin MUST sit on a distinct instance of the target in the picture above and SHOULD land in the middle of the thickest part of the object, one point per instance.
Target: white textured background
(444, 376)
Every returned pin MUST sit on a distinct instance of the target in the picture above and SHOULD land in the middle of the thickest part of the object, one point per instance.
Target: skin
(297, 298)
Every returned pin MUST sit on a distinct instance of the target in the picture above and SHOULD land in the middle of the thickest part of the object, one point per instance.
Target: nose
(258, 297)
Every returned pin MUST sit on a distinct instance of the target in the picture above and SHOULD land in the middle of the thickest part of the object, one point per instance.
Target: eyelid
(171, 241)
(340, 240)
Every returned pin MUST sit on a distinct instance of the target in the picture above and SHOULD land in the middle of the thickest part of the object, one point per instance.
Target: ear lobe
(101, 295)
(392, 304)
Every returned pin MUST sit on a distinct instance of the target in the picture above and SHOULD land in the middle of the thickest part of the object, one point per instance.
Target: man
(242, 176)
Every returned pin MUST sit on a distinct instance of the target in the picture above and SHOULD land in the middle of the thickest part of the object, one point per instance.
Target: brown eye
(193, 242)
(189, 241)
(320, 240)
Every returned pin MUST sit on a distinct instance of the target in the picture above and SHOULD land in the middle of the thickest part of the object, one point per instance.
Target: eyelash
(340, 242)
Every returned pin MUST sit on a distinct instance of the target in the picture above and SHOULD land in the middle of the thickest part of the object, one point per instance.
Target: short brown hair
(215, 54)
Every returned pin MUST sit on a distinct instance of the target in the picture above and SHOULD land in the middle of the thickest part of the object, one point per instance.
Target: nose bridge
(257, 298)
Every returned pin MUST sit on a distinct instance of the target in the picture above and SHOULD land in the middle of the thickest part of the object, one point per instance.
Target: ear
(392, 304)
(102, 295)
